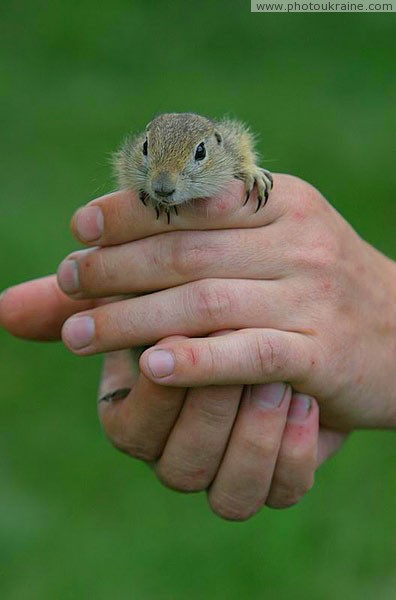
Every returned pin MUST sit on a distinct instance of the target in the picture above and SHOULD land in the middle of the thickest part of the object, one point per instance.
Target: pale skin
(299, 298)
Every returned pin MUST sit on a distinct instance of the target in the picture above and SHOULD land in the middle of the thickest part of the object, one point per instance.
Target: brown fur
(172, 140)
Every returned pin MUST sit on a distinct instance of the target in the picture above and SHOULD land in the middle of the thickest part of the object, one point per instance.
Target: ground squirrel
(182, 156)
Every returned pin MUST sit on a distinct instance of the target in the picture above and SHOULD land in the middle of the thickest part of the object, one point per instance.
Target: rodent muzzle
(163, 193)
(163, 185)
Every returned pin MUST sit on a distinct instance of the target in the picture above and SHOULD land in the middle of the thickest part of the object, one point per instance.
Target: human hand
(312, 303)
(248, 446)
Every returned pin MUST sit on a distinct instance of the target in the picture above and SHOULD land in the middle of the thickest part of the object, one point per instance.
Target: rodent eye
(145, 148)
(200, 152)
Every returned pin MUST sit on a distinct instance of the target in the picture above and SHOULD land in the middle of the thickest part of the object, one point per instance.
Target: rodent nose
(164, 193)
(164, 184)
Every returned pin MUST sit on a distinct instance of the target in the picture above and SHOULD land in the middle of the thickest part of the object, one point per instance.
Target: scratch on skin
(272, 358)
(193, 356)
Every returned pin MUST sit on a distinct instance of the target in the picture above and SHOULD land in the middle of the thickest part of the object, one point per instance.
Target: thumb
(37, 309)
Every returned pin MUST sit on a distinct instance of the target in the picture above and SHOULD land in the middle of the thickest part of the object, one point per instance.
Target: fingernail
(68, 276)
(161, 363)
(268, 395)
(300, 407)
(89, 223)
(78, 332)
(114, 396)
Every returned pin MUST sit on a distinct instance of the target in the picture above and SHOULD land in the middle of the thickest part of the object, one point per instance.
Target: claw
(157, 211)
(143, 197)
(168, 215)
(266, 195)
(259, 202)
(119, 394)
(262, 180)
(269, 177)
(247, 198)
(175, 209)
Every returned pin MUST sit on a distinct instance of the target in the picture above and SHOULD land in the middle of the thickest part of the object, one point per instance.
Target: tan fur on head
(171, 138)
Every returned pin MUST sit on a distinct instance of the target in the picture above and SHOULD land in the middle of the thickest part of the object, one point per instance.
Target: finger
(244, 357)
(137, 415)
(199, 437)
(190, 310)
(330, 441)
(296, 462)
(243, 481)
(37, 309)
(171, 259)
(121, 217)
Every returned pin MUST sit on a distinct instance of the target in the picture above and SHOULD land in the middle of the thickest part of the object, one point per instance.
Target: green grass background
(77, 519)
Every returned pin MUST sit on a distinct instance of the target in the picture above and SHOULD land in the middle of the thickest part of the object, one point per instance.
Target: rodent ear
(218, 137)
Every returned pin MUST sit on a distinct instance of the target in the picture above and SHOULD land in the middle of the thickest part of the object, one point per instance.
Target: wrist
(386, 397)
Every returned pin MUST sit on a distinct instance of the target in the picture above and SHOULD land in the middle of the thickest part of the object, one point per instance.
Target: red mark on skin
(359, 379)
(300, 432)
(313, 362)
(198, 473)
(222, 205)
(193, 356)
(298, 216)
(327, 285)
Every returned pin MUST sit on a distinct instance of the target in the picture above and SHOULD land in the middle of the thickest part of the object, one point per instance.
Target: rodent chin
(174, 200)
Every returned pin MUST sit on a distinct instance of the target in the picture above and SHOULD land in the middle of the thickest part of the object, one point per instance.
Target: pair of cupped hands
(271, 336)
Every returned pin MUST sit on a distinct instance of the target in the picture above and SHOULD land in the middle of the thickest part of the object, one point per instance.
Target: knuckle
(319, 254)
(267, 353)
(211, 413)
(307, 199)
(128, 443)
(134, 449)
(186, 478)
(325, 254)
(212, 300)
(296, 456)
(286, 496)
(261, 446)
(308, 196)
(283, 499)
(230, 508)
(320, 248)
(186, 255)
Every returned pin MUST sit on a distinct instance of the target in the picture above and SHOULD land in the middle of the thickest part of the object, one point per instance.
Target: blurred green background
(77, 519)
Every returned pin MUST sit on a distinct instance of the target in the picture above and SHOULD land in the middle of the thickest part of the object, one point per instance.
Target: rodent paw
(144, 197)
(167, 211)
(264, 182)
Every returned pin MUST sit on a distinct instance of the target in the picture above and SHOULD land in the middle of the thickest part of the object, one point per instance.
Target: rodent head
(181, 156)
